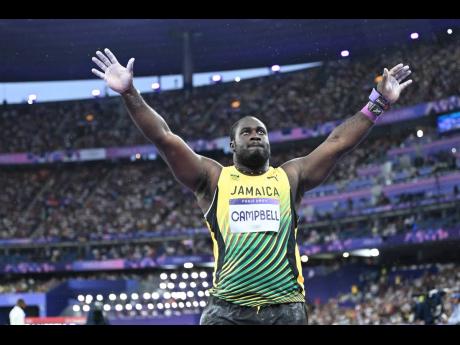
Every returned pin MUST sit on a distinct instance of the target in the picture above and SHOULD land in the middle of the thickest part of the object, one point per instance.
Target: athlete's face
(251, 145)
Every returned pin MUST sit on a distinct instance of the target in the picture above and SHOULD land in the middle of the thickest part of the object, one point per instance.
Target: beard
(254, 158)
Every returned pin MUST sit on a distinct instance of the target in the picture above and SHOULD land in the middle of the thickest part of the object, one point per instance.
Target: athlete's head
(249, 142)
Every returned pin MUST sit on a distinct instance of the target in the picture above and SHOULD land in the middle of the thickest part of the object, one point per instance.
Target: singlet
(253, 227)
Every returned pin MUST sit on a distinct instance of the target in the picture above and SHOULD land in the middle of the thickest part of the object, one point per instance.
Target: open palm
(117, 77)
(390, 86)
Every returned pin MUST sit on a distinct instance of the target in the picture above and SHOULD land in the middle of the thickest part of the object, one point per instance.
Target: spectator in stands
(454, 318)
(96, 315)
(17, 314)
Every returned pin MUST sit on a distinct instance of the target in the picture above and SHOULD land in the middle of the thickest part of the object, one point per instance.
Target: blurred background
(92, 221)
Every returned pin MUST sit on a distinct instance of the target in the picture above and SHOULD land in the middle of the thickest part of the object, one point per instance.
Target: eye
(261, 131)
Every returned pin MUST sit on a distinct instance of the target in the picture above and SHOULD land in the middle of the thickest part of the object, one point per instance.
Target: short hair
(235, 125)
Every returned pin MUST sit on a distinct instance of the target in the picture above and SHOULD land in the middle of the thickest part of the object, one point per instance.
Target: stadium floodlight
(155, 86)
(190, 294)
(86, 308)
(202, 304)
(162, 286)
(200, 293)
(128, 307)
(374, 252)
(76, 308)
(118, 307)
(275, 68)
(167, 305)
(150, 306)
(173, 276)
(81, 298)
(449, 31)
(166, 295)
(123, 296)
(194, 275)
(181, 304)
(138, 306)
(112, 297)
(205, 284)
(171, 286)
(188, 304)
(155, 295)
(195, 303)
(188, 265)
(454, 150)
(344, 53)
(216, 78)
(107, 307)
(174, 305)
(99, 297)
(96, 92)
(419, 133)
(414, 35)
(203, 274)
(146, 295)
(160, 305)
(182, 285)
(134, 296)
(88, 299)
(206, 293)
(185, 275)
(237, 79)
(163, 276)
(193, 285)
(346, 254)
(304, 258)
(31, 98)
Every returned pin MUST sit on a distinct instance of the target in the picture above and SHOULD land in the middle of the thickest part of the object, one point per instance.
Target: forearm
(351, 132)
(151, 124)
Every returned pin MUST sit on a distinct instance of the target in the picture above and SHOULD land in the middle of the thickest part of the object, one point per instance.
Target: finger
(404, 76)
(385, 75)
(130, 64)
(98, 73)
(99, 63)
(103, 58)
(396, 68)
(401, 72)
(110, 55)
(405, 84)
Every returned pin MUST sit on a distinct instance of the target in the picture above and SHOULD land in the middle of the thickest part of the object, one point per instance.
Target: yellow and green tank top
(253, 226)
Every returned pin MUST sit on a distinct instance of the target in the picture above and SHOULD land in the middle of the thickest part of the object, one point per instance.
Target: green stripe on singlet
(265, 282)
(268, 294)
(278, 244)
(230, 263)
(233, 260)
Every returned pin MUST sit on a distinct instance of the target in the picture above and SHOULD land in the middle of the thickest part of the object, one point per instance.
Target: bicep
(311, 170)
(189, 168)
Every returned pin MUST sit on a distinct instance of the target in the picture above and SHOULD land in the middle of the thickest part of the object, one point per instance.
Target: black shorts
(220, 312)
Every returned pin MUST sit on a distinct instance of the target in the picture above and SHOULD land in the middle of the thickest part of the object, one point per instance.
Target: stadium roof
(61, 49)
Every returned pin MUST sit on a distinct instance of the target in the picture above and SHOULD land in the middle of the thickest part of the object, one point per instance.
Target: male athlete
(249, 207)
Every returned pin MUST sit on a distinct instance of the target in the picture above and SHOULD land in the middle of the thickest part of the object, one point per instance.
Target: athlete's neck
(251, 171)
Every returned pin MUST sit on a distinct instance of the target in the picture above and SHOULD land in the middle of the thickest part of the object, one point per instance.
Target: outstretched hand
(117, 77)
(390, 86)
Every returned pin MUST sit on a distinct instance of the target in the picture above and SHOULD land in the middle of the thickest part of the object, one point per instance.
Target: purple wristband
(367, 113)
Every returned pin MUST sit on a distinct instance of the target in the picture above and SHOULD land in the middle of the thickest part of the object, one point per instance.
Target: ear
(232, 145)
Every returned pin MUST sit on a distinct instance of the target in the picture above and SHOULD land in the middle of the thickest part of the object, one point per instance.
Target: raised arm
(308, 172)
(196, 172)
